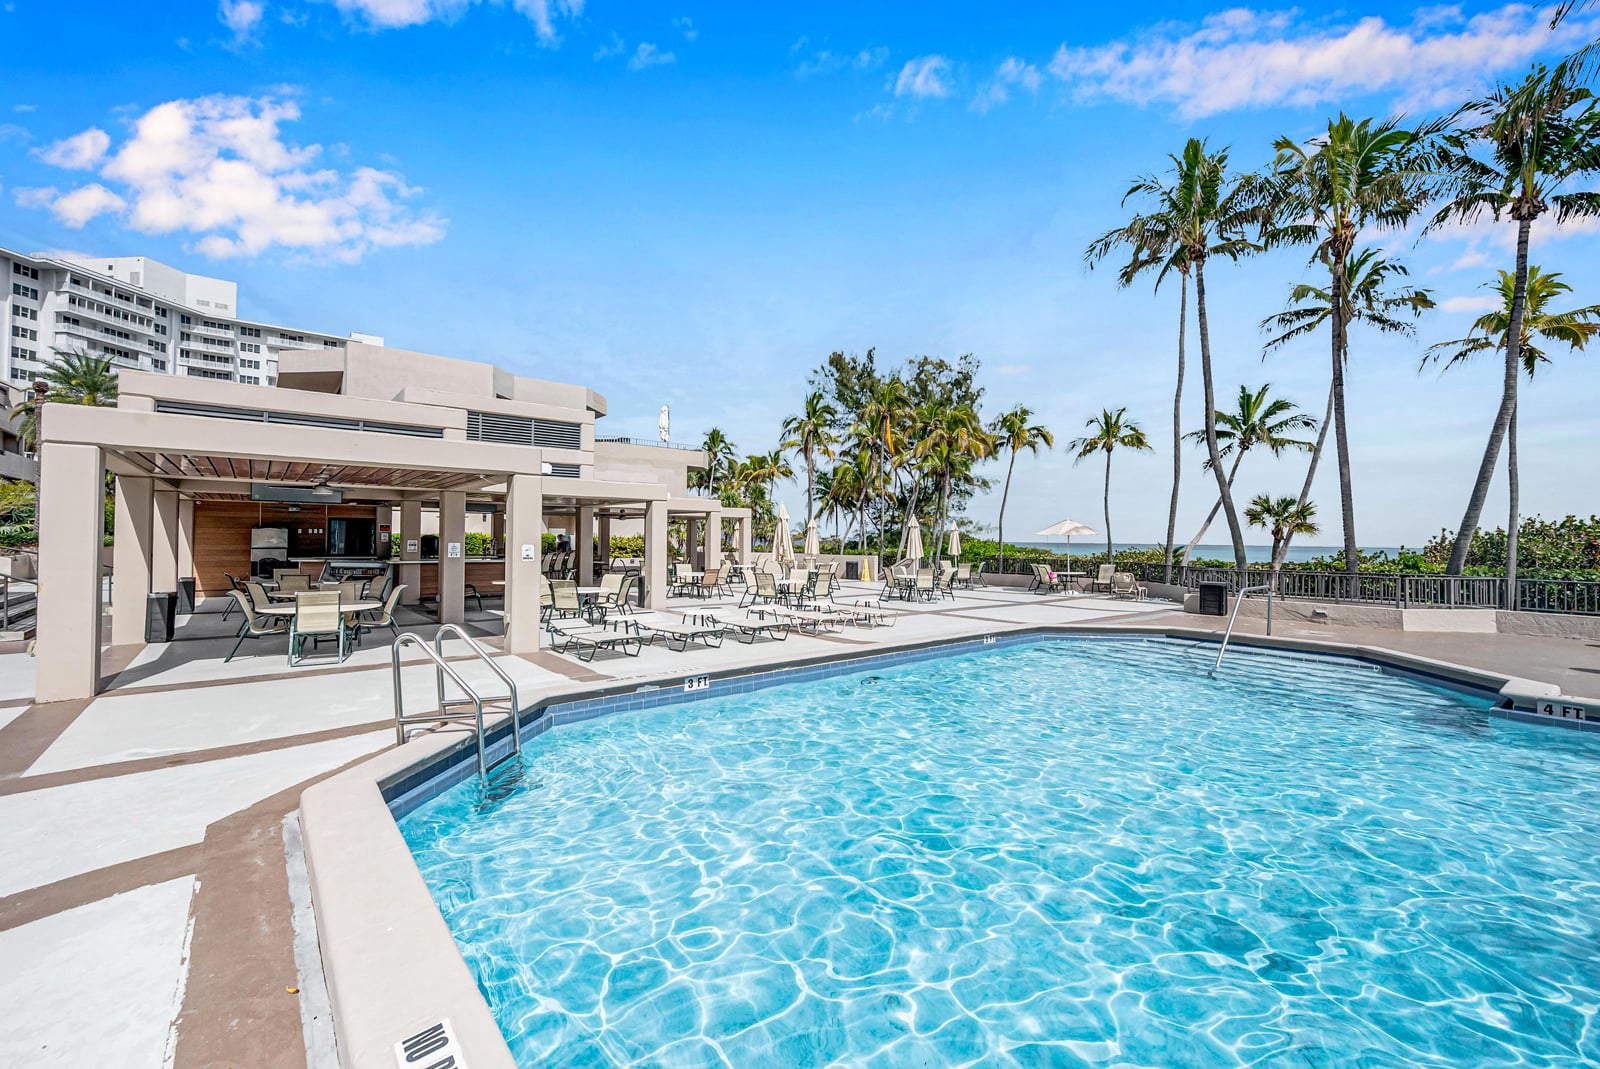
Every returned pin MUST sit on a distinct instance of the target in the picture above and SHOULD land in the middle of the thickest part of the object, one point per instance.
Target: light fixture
(322, 489)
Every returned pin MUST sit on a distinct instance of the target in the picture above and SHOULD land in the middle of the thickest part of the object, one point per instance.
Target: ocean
(1210, 551)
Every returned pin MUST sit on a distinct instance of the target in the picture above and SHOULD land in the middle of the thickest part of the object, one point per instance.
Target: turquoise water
(1067, 853)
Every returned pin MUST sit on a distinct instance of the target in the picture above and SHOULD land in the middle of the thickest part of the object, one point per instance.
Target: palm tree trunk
(1281, 548)
(811, 488)
(1502, 418)
(1211, 418)
(1177, 428)
(1341, 440)
(1002, 524)
(1110, 558)
(1512, 522)
(1188, 550)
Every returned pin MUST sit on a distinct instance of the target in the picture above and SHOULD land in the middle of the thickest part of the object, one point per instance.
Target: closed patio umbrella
(782, 540)
(812, 550)
(913, 539)
(955, 543)
(1066, 529)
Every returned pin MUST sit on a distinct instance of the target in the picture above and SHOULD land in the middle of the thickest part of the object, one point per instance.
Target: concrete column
(384, 516)
(186, 539)
(604, 521)
(524, 524)
(131, 558)
(585, 540)
(713, 557)
(655, 554)
(164, 541)
(410, 551)
(741, 540)
(691, 543)
(71, 526)
(452, 569)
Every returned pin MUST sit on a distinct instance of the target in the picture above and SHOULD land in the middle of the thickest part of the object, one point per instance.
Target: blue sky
(694, 204)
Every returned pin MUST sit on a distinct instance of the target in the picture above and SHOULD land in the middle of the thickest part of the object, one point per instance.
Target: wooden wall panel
(222, 536)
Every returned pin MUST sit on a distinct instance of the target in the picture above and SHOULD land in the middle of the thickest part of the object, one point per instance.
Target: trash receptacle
(1213, 599)
(159, 610)
(852, 569)
(186, 595)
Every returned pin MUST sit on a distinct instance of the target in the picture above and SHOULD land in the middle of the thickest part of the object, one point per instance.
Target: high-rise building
(140, 314)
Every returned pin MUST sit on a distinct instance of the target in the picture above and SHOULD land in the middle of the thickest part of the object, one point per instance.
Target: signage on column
(452, 549)
(529, 552)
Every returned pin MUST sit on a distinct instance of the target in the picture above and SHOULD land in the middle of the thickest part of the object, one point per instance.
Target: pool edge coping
(392, 964)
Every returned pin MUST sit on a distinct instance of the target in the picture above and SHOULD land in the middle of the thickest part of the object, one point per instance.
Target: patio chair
(799, 588)
(1123, 585)
(316, 616)
(237, 584)
(353, 590)
(963, 577)
(564, 598)
(926, 589)
(1103, 580)
(610, 596)
(293, 582)
(254, 625)
(827, 580)
(977, 574)
(765, 590)
(258, 595)
(547, 599)
(373, 619)
(710, 583)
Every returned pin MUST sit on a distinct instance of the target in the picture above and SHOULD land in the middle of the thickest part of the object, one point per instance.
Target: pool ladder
(471, 697)
(1234, 615)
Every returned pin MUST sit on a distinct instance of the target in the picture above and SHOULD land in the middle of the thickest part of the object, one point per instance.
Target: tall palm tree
(884, 417)
(1326, 191)
(1201, 210)
(810, 433)
(1535, 140)
(721, 456)
(1013, 433)
(1285, 517)
(73, 377)
(1112, 431)
(1369, 300)
(953, 439)
(1492, 332)
(1256, 421)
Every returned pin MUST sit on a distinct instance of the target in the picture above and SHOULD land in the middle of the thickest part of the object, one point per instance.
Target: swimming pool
(1063, 852)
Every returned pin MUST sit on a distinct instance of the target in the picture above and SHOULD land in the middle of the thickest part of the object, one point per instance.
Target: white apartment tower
(139, 314)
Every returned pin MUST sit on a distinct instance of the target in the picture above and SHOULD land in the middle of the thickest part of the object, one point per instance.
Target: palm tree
(1285, 517)
(810, 433)
(1368, 300)
(1113, 430)
(884, 418)
(721, 456)
(953, 439)
(1535, 139)
(1492, 332)
(73, 377)
(1013, 433)
(1201, 210)
(1257, 421)
(1357, 174)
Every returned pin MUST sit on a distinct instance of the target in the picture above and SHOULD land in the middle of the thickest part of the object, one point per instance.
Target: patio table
(364, 605)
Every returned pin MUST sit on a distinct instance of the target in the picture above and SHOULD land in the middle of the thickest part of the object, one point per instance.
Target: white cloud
(1012, 369)
(648, 55)
(78, 152)
(241, 17)
(24, 107)
(1011, 74)
(1484, 303)
(218, 168)
(686, 25)
(616, 48)
(1243, 58)
(10, 131)
(827, 62)
(393, 14)
(925, 76)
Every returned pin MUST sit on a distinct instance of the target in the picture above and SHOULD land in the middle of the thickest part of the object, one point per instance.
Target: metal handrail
(472, 698)
(1234, 616)
(501, 673)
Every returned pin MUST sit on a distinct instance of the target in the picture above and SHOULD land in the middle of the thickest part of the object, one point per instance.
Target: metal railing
(1234, 616)
(442, 669)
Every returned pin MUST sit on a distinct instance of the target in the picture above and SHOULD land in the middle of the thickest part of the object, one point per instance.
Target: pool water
(1061, 853)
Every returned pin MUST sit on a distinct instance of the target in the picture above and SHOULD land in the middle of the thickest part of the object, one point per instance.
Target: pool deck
(146, 909)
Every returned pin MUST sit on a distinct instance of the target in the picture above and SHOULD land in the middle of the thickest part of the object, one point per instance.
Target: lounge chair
(809, 621)
(255, 625)
(316, 616)
(756, 624)
(677, 631)
(578, 638)
(1123, 585)
(867, 614)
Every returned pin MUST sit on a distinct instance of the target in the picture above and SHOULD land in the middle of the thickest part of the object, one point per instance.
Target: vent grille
(564, 471)
(523, 430)
(296, 419)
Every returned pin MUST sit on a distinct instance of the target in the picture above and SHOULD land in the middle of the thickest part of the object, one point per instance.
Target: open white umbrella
(1066, 529)
(813, 550)
(913, 539)
(955, 543)
(782, 541)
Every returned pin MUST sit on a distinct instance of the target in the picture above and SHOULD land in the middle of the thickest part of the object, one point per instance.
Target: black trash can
(186, 595)
(852, 569)
(159, 610)
(1213, 599)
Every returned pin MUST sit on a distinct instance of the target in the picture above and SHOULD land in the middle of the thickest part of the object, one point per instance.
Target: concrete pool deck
(146, 902)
